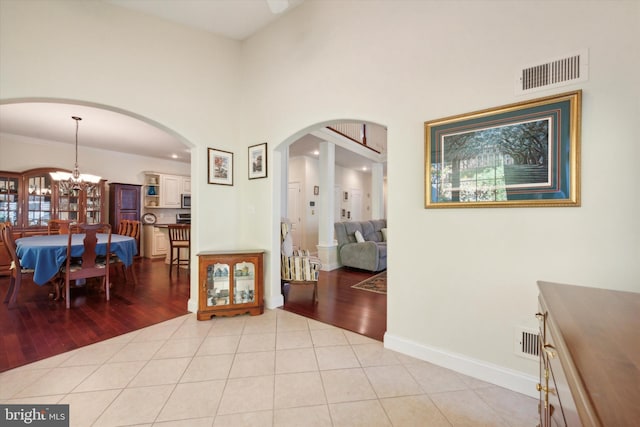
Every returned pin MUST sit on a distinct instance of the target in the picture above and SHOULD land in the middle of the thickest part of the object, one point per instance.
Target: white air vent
(527, 342)
(557, 72)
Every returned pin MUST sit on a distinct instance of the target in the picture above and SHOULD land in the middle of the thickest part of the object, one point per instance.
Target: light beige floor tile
(367, 413)
(96, 354)
(374, 354)
(308, 416)
(345, 385)
(135, 406)
(296, 360)
(193, 400)
(192, 328)
(293, 339)
(315, 325)
(14, 381)
(179, 348)
(159, 332)
(354, 338)
(247, 394)
(465, 408)
(137, 351)
(259, 326)
(161, 371)
(36, 400)
(111, 376)
(253, 364)
(434, 379)
(257, 342)
(299, 389)
(328, 337)
(58, 381)
(410, 411)
(190, 422)
(392, 381)
(336, 357)
(227, 326)
(50, 362)
(85, 408)
(517, 409)
(292, 323)
(473, 383)
(246, 419)
(226, 344)
(205, 368)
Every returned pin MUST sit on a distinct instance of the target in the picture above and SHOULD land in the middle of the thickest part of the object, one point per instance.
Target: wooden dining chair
(179, 239)
(16, 271)
(59, 226)
(129, 228)
(89, 264)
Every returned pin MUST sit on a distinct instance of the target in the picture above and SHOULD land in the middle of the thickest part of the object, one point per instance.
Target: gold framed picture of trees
(518, 155)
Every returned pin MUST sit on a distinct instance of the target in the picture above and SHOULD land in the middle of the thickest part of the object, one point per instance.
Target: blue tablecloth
(46, 254)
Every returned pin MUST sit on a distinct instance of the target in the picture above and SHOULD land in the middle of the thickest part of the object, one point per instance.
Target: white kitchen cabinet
(156, 241)
(186, 185)
(170, 190)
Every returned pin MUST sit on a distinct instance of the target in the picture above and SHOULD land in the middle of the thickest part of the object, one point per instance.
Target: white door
(293, 212)
(356, 205)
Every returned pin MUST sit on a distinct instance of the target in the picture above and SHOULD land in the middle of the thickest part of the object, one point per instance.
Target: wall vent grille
(527, 343)
(556, 72)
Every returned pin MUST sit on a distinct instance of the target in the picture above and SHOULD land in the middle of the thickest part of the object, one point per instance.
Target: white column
(327, 177)
(377, 191)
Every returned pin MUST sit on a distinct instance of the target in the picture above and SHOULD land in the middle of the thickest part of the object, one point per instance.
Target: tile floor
(278, 369)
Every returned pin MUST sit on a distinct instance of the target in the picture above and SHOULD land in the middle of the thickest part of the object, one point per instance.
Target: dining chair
(59, 226)
(129, 228)
(16, 271)
(89, 264)
(179, 239)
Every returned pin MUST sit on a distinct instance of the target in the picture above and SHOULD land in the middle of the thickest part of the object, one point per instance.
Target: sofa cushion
(358, 236)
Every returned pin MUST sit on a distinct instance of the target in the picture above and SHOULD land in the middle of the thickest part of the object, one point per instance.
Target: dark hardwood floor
(39, 327)
(339, 304)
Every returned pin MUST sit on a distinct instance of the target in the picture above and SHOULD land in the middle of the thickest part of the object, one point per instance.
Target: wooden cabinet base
(208, 314)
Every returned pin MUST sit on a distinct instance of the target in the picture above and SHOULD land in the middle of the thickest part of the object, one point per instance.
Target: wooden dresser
(589, 356)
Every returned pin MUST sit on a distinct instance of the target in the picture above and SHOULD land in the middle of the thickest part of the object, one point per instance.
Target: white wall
(461, 279)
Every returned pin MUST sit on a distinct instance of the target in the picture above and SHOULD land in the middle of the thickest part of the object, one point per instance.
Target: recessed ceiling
(99, 128)
(234, 19)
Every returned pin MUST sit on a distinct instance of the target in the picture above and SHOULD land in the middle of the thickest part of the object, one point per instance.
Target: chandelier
(75, 180)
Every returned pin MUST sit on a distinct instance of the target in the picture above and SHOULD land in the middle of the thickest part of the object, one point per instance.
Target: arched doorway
(298, 166)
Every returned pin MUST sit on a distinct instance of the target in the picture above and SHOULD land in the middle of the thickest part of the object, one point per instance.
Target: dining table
(46, 254)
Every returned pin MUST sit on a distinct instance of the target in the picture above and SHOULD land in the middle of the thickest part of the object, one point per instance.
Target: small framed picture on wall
(258, 161)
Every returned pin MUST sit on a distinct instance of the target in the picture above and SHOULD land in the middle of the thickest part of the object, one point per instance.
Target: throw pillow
(287, 245)
(359, 237)
(384, 234)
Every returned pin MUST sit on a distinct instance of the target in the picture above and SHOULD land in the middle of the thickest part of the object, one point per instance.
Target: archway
(281, 173)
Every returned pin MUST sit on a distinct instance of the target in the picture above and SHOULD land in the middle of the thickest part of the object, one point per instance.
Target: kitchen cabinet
(164, 190)
(124, 203)
(231, 283)
(156, 241)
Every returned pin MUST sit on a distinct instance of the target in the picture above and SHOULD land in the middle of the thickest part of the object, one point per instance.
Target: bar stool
(179, 238)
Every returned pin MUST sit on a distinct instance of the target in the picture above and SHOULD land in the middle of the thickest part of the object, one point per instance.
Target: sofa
(362, 244)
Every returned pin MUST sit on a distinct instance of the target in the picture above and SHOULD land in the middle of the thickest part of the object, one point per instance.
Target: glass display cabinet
(230, 283)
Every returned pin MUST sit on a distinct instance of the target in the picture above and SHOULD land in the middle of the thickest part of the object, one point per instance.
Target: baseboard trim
(274, 301)
(494, 374)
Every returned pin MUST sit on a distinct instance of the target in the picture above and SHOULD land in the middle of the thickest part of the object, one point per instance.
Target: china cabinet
(124, 203)
(29, 199)
(230, 283)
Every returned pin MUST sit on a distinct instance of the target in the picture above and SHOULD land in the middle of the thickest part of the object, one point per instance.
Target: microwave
(185, 201)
